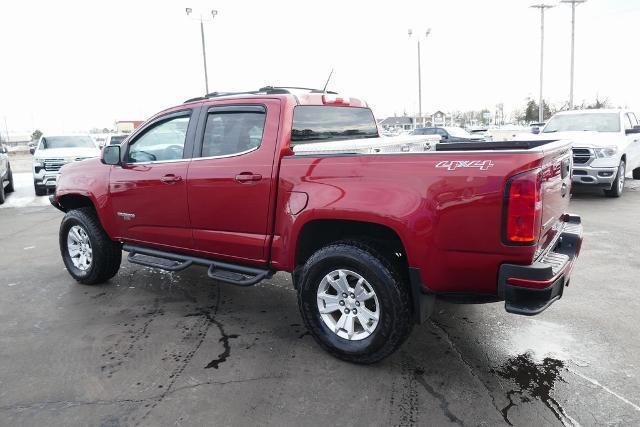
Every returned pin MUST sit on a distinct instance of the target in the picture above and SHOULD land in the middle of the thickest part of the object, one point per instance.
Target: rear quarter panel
(449, 219)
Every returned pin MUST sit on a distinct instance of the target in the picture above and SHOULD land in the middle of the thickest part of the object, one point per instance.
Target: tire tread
(401, 308)
(107, 254)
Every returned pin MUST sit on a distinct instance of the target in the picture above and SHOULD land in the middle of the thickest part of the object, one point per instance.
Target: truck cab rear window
(313, 123)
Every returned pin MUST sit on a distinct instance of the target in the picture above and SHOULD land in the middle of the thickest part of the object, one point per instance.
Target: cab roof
(302, 96)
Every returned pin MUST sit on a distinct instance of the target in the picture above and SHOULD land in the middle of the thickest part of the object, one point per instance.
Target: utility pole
(410, 32)
(189, 11)
(573, 36)
(542, 8)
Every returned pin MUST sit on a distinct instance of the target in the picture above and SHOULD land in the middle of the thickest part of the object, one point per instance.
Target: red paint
(450, 221)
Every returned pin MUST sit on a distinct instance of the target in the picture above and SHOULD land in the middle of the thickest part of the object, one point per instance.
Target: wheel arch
(318, 233)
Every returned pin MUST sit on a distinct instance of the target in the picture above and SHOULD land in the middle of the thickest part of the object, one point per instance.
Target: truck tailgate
(556, 192)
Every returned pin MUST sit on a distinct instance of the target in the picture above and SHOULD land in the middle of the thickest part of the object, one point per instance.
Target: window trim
(233, 108)
(626, 120)
(157, 121)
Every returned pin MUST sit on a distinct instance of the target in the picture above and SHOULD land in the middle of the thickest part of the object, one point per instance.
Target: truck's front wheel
(618, 183)
(354, 303)
(88, 253)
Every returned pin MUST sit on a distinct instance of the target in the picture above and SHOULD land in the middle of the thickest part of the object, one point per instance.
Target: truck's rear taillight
(523, 208)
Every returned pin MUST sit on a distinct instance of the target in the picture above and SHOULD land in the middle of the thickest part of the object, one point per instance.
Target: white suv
(53, 152)
(606, 146)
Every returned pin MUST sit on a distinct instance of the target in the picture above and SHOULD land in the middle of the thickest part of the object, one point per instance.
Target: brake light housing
(523, 208)
(330, 99)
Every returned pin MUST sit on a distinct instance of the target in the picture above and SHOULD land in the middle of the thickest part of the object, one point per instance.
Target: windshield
(598, 122)
(459, 132)
(117, 139)
(322, 123)
(66, 142)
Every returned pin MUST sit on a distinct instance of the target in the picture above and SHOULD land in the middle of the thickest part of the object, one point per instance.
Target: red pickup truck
(241, 183)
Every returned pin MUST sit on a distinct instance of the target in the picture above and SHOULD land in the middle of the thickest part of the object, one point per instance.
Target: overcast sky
(73, 65)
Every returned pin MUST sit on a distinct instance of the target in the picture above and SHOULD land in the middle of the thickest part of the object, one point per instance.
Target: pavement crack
(468, 365)
(177, 372)
(534, 380)
(444, 403)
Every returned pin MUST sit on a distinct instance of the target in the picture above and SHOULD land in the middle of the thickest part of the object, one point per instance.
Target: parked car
(242, 185)
(606, 145)
(449, 134)
(6, 176)
(115, 138)
(55, 151)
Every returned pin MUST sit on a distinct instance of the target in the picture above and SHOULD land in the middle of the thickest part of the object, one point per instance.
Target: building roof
(396, 121)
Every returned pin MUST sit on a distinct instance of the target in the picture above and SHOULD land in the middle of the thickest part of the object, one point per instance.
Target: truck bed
(447, 207)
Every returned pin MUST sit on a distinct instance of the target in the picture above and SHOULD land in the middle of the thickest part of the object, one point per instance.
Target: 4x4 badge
(452, 165)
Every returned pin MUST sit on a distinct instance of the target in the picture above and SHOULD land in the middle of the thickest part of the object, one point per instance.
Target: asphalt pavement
(155, 348)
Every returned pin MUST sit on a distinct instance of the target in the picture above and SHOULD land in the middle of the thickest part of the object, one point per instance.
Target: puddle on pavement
(534, 380)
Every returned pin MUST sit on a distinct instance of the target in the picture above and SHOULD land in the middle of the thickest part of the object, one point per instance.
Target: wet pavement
(156, 348)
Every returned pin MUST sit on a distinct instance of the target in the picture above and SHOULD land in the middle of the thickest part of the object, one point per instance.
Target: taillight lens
(524, 208)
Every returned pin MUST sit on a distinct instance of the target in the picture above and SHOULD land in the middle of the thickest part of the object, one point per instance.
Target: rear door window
(233, 130)
(315, 123)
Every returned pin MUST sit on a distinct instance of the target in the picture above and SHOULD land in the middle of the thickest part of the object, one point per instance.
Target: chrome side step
(233, 274)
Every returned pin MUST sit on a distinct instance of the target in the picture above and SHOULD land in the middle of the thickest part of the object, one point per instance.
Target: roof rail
(268, 90)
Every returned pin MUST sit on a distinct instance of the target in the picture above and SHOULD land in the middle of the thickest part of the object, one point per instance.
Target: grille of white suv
(53, 164)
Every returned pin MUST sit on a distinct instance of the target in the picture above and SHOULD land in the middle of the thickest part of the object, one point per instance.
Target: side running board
(233, 274)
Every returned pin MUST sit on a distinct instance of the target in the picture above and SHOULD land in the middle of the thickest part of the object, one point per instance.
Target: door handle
(170, 179)
(248, 177)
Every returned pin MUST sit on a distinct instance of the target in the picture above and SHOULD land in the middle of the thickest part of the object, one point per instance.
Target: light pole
(410, 32)
(542, 8)
(189, 11)
(573, 35)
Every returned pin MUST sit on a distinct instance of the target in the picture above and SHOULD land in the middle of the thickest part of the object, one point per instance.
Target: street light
(573, 30)
(189, 11)
(426, 34)
(542, 8)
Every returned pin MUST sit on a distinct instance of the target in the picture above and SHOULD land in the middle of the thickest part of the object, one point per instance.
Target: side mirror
(32, 150)
(444, 137)
(111, 155)
(3, 150)
(635, 129)
(535, 130)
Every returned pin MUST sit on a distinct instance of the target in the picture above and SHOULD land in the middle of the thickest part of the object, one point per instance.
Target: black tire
(106, 256)
(40, 190)
(636, 173)
(395, 321)
(2, 195)
(617, 189)
(10, 188)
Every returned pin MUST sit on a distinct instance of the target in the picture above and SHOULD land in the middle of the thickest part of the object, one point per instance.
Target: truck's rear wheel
(354, 303)
(9, 188)
(618, 183)
(88, 253)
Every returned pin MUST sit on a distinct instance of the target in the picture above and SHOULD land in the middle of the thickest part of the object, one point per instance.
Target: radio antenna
(324, 89)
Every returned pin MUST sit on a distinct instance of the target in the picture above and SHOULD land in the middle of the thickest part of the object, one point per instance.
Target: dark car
(449, 134)
(6, 177)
